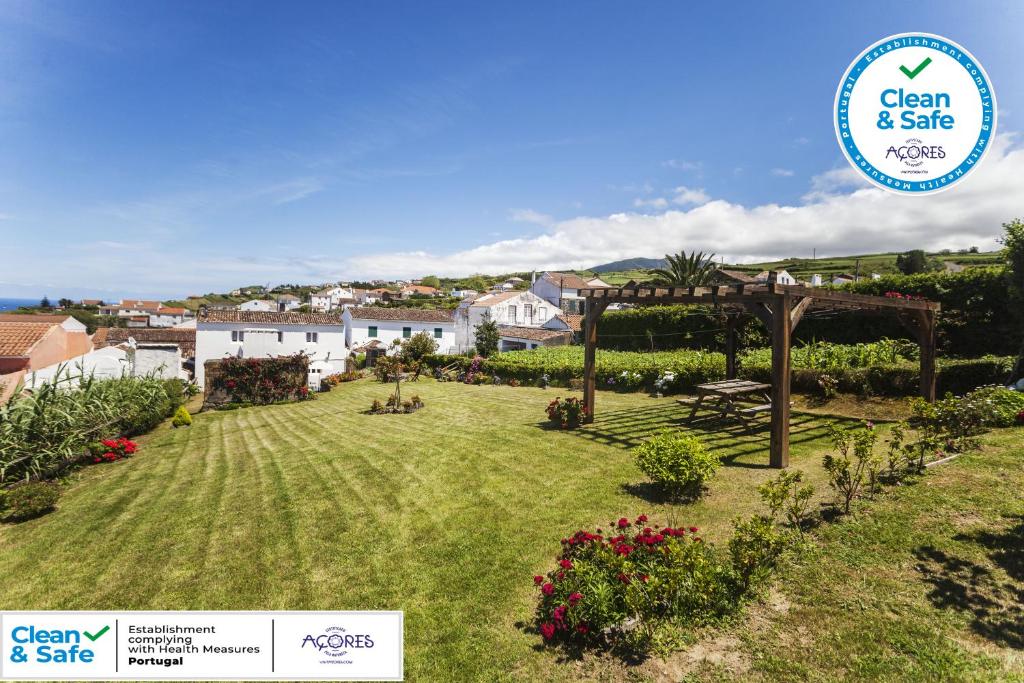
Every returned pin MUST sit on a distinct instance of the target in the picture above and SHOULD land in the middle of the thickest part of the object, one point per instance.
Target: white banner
(155, 646)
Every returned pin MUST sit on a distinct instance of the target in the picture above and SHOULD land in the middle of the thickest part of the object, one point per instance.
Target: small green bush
(679, 464)
(181, 417)
(1004, 404)
(754, 548)
(27, 501)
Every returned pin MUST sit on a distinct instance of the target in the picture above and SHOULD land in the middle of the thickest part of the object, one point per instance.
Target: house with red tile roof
(30, 342)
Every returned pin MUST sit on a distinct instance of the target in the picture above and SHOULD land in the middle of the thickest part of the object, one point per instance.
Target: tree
(65, 303)
(417, 346)
(431, 281)
(487, 337)
(45, 303)
(1013, 254)
(916, 261)
(693, 270)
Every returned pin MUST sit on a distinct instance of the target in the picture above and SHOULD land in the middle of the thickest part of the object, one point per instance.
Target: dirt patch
(882, 409)
(723, 653)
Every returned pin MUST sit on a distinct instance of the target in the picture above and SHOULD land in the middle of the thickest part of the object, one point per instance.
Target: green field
(448, 512)
(804, 268)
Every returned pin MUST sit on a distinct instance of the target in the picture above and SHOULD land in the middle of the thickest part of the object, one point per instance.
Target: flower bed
(257, 381)
(568, 413)
(628, 586)
(111, 450)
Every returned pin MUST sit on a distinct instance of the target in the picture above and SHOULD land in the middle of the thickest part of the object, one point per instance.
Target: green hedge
(903, 379)
(634, 371)
(978, 317)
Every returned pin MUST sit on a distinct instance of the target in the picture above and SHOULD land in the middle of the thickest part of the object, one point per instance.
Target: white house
(265, 305)
(782, 277)
(331, 299)
(515, 309)
(562, 289)
(384, 325)
(169, 316)
(261, 334)
(287, 302)
(464, 293)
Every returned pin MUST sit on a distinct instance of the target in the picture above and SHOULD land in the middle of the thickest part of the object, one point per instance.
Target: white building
(260, 334)
(265, 305)
(331, 299)
(113, 362)
(168, 316)
(287, 302)
(385, 325)
(782, 277)
(562, 289)
(511, 309)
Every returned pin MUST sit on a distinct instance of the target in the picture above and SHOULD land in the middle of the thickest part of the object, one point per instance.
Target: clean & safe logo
(915, 113)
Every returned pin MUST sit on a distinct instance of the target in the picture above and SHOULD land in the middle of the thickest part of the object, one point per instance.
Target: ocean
(11, 304)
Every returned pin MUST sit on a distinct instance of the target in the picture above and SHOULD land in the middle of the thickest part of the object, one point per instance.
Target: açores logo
(915, 113)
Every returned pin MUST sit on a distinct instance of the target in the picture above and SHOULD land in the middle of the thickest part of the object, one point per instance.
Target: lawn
(448, 512)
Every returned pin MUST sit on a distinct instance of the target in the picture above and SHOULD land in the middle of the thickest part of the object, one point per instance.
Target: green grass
(448, 512)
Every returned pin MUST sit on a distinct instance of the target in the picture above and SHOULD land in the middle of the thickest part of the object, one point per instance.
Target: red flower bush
(110, 450)
(641, 576)
(569, 413)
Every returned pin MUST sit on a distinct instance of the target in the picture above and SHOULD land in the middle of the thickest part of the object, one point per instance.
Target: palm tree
(694, 270)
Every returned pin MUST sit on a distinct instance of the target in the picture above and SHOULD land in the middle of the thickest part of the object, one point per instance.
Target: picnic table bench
(726, 394)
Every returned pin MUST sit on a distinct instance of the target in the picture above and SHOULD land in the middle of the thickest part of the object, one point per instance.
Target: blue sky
(169, 149)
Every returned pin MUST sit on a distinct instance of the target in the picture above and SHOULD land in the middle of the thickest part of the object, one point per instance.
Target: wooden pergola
(780, 308)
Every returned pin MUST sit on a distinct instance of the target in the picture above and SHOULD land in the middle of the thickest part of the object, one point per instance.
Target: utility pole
(856, 276)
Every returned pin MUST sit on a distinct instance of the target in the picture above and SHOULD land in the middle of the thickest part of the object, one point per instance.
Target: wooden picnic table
(727, 393)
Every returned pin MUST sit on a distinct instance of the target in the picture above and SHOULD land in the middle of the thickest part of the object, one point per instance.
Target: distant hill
(629, 264)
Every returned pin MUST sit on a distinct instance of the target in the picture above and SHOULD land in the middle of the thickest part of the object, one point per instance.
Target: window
(528, 313)
(280, 337)
(512, 313)
(542, 312)
(438, 332)
(311, 337)
(406, 332)
(237, 336)
(371, 331)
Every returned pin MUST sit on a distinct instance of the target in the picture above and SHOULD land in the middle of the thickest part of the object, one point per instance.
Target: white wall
(163, 320)
(550, 291)
(258, 305)
(357, 331)
(213, 341)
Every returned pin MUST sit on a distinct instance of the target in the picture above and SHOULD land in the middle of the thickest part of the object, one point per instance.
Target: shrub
(376, 407)
(109, 450)
(1005, 404)
(181, 417)
(855, 465)
(416, 347)
(633, 587)
(755, 548)
(30, 500)
(260, 381)
(679, 464)
(568, 413)
(48, 429)
(785, 496)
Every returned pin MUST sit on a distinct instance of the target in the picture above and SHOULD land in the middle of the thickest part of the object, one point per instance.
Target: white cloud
(837, 216)
(801, 141)
(782, 172)
(683, 165)
(530, 216)
(653, 203)
(688, 195)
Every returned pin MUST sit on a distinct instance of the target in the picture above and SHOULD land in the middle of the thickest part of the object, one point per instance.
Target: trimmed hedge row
(632, 371)
(953, 375)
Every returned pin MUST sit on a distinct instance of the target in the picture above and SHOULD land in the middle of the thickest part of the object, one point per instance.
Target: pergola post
(921, 323)
(593, 312)
(731, 322)
(782, 305)
(927, 344)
